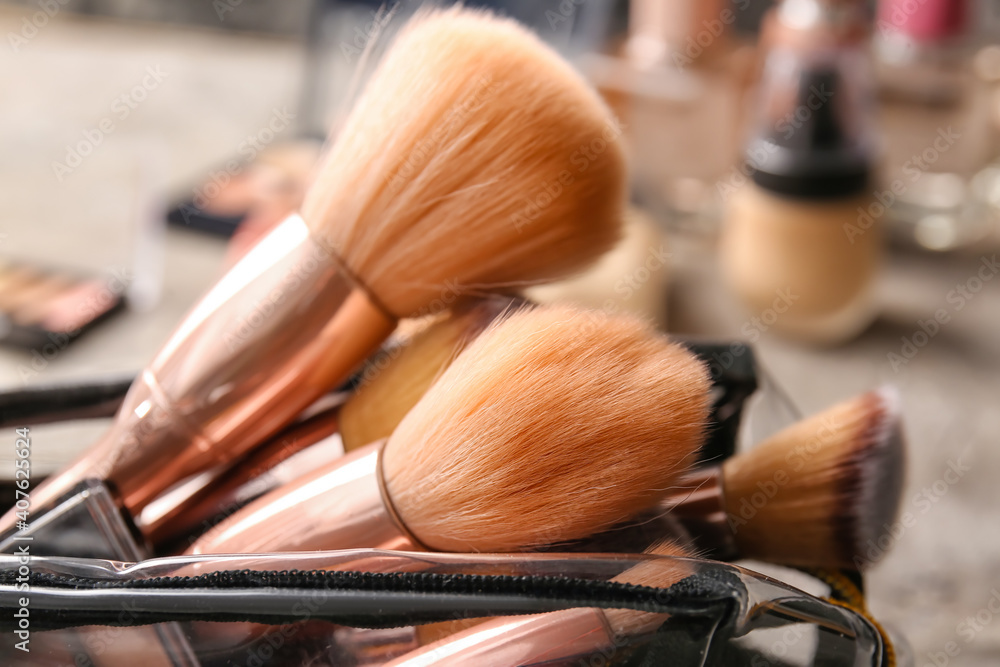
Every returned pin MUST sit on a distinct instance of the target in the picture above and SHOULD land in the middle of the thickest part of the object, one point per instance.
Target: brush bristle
(821, 492)
(553, 425)
(655, 573)
(475, 158)
(396, 380)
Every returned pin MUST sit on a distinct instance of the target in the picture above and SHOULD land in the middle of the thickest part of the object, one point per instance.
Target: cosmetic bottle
(934, 106)
(801, 240)
(675, 85)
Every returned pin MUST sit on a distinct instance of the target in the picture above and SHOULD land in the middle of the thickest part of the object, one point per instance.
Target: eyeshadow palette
(40, 306)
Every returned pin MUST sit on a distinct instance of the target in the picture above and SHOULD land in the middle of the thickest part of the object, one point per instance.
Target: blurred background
(820, 178)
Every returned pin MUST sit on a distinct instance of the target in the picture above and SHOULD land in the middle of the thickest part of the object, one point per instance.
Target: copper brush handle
(507, 642)
(296, 451)
(340, 506)
(282, 327)
(700, 507)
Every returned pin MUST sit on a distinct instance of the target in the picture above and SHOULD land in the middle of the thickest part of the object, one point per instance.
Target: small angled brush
(817, 494)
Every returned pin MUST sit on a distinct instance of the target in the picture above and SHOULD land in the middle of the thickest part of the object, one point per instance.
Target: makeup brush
(557, 637)
(552, 425)
(395, 379)
(817, 494)
(475, 159)
(391, 383)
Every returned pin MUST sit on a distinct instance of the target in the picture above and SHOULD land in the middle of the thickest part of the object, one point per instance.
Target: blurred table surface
(941, 570)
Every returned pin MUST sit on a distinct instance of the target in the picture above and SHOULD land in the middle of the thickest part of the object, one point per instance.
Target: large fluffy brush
(819, 493)
(552, 425)
(475, 159)
(557, 637)
(541, 423)
(477, 156)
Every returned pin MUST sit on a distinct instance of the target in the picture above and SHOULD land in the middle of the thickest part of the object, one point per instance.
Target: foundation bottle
(801, 240)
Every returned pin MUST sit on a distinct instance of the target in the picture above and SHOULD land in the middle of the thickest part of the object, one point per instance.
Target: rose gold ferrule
(296, 451)
(506, 642)
(700, 507)
(282, 327)
(339, 506)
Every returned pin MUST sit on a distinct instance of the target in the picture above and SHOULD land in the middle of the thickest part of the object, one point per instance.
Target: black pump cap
(817, 158)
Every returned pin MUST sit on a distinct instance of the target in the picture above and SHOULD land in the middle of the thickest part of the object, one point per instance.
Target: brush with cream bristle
(561, 636)
(475, 159)
(819, 493)
(395, 380)
(389, 385)
(552, 425)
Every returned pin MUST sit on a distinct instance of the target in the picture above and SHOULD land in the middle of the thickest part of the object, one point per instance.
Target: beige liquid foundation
(801, 232)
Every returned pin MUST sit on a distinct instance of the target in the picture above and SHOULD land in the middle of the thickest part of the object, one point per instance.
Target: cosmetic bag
(360, 607)
(78, 589)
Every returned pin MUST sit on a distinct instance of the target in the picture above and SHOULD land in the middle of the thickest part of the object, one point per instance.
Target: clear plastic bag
(363, 607)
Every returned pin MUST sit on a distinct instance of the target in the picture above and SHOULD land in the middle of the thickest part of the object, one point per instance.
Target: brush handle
(91, 399)
(700, 507)
(505, 642)
(281, 328)
(296, 451)
(339, 506)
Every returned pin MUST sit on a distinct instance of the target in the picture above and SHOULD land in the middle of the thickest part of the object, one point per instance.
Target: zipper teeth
(550, 587)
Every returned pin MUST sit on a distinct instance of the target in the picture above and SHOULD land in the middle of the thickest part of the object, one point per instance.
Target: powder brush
(521, 442)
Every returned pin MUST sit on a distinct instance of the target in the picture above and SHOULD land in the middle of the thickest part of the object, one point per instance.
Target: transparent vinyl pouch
(370, 607)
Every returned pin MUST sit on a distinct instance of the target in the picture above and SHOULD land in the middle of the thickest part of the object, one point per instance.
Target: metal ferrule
(296, 451)
(282, 327)
(700, 507)
(339, 506)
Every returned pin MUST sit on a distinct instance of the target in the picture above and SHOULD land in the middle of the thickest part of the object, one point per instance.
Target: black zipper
(384, 599)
